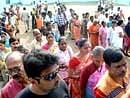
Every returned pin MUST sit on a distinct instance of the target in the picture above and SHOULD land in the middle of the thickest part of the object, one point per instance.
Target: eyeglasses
(50, 76)
(14, 70)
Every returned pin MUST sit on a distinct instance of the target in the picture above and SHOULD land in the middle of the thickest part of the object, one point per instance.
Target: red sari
(74, 82)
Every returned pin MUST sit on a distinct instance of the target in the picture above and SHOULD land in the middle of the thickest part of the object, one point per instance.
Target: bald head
(13, 59)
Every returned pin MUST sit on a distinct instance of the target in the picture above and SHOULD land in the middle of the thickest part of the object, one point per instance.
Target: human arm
(83, 81)
(72, 73)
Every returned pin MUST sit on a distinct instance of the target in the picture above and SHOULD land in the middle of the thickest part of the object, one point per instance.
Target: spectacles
(50, 76)
(14, 70)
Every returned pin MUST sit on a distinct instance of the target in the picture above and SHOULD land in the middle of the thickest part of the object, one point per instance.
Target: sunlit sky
(3, 2)
(28, 1)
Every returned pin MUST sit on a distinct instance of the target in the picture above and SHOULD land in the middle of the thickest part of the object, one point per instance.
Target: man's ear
(107, 66)
(33, 81)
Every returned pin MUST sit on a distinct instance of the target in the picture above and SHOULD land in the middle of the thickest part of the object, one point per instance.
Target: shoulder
(61, 91)
(25, 93)
(69, 47)
(33, 41)
(8, 86)
(11, 86)
(88, 69)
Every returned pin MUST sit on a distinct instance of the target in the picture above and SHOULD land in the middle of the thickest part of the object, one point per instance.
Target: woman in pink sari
(103, 32)
(51, 46)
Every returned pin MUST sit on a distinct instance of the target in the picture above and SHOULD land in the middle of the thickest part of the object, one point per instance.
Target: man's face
(50, 14)
(3, 37)
(2, 46)
(37, 35)
(49, 79)
(14, 45)
(15, 69)
(119, 69)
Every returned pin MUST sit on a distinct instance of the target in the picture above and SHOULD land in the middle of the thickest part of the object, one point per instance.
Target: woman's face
(63, 45)
(50, 38)
(86, 48)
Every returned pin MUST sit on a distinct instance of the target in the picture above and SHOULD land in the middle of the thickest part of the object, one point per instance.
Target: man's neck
(117, 80)
(36, 90)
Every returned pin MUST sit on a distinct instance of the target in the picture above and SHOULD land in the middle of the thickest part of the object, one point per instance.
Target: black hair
(87, 13)
(22, 49)
(129, 18)
(49, 12)
(80, 43)
(102, 22)
(24, 8)
(48, 23)
(112, 55)
(36, 61)
(91, 17)
(2, 41)
(114, 21)
(11, 40)
(47, 34)
(119, 22)
(60, 39)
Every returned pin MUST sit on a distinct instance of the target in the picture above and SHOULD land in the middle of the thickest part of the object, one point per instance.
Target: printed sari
(74, 82)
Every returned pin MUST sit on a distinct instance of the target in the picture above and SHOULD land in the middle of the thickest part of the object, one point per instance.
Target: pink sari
(45, 47)
(51, 49)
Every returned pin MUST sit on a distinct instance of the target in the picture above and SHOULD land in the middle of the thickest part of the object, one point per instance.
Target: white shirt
(37, 45)
(64, 56)
(116, 40)
(50, 19)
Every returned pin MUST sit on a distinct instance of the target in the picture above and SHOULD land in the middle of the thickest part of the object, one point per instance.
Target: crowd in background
(98, 69)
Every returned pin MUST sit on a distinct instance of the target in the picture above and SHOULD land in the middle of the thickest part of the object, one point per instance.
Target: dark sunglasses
(50, 76)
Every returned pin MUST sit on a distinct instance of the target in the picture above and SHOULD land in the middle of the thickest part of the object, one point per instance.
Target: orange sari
(76, 29)
(94, 34)
(39, 23)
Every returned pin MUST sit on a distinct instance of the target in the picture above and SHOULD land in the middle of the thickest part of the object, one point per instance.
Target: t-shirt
(60, 92)
(11, 89)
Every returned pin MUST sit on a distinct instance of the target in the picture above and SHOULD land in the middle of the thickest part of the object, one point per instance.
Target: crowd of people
(49, 68)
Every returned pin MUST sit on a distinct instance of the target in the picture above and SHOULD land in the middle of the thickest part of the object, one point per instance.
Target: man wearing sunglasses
(42, 70)
(16, 74)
